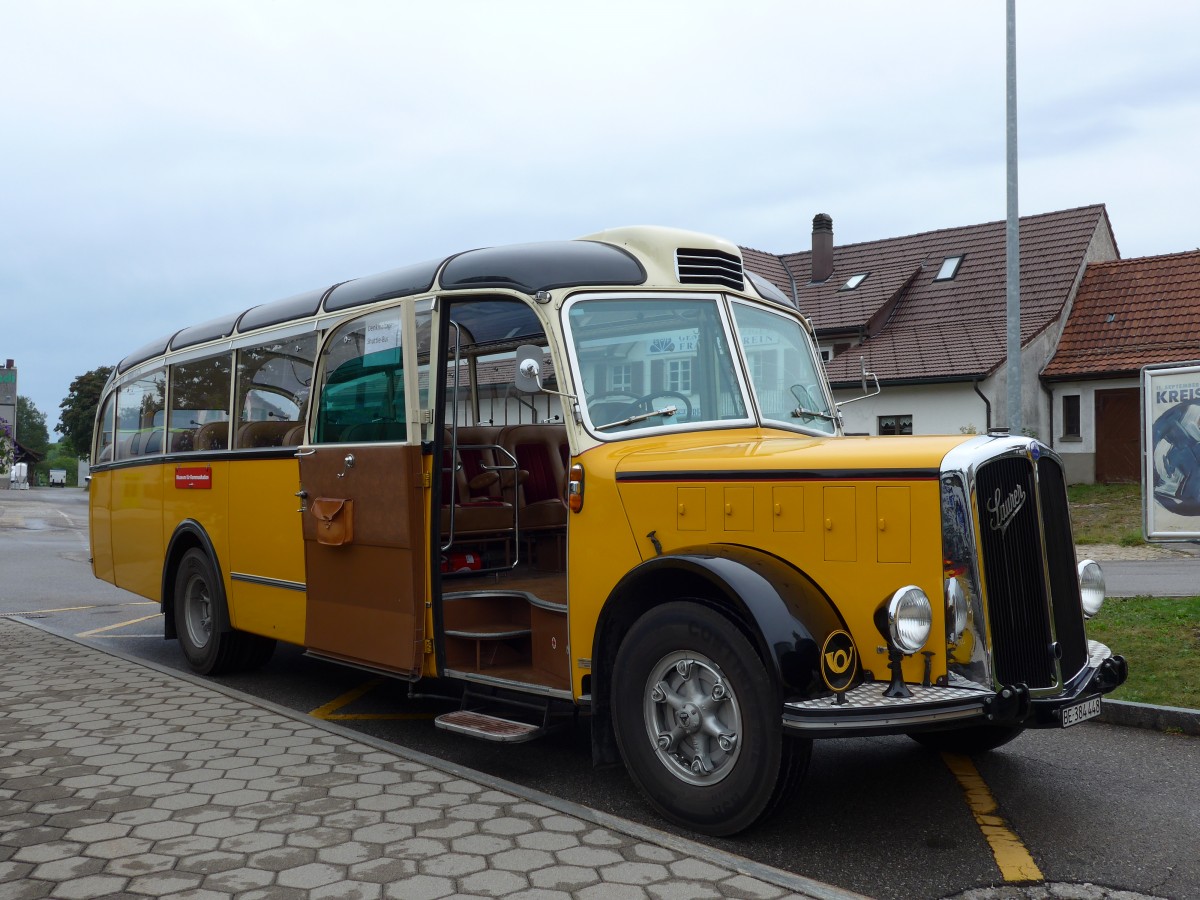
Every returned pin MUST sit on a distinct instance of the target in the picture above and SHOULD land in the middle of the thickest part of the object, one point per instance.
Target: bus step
(488, 728)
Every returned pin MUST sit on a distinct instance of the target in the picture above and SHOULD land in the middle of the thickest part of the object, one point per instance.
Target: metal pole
(1012, 236)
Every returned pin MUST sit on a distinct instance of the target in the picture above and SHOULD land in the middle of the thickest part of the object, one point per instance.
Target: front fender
(781, 609)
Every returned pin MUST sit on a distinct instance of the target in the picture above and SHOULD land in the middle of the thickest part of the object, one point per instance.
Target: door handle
(347, 465)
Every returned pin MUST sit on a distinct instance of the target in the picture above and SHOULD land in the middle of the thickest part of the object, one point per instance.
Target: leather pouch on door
(335, 521)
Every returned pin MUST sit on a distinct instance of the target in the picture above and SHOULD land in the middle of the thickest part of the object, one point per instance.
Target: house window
(949, 268)
(1071, 416)
(895, 424)
(679, 375)
(826, 354)
(620, 378)
(854, 281)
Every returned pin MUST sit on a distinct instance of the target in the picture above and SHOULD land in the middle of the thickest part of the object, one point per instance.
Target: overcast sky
(165, 162)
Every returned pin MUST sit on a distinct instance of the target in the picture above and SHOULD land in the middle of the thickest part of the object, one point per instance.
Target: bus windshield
(783, 371)
(654, 363)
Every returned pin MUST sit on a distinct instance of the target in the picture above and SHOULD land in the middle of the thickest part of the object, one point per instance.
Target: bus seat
(263, 434)
(294, 436)
(477, 510)
(540, 490)
(154, 443)
(213, 436)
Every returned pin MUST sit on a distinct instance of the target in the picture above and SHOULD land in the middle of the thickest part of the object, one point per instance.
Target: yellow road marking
(329, 711)
(117, 625)
(1013, 859)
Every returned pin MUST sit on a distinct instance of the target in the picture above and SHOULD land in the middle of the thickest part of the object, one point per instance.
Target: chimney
(822, 248)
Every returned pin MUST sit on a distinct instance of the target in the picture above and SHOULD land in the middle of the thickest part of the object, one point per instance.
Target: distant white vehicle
(18, 477)
(58, 478)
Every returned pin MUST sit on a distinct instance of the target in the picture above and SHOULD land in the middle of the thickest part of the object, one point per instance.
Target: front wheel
(698, 721)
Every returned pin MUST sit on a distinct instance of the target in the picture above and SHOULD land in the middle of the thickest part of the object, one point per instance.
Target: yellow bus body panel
(135, 519)
(848, 512)
(265, 541)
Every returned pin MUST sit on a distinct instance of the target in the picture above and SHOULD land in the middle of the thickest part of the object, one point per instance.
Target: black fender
(780, 609)
(188, 534)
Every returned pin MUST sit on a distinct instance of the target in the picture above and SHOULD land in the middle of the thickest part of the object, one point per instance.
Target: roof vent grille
(708, 267)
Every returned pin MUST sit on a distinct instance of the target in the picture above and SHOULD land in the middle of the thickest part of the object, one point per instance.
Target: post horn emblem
(839, 662)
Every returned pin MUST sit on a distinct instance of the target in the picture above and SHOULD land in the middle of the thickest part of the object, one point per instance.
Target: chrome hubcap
(692, 718)
(197, 608)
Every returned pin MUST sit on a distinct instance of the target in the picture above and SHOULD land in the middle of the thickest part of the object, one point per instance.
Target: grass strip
(1160, 638)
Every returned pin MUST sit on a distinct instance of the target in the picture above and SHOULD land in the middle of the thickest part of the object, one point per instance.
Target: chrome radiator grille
(1014, 572)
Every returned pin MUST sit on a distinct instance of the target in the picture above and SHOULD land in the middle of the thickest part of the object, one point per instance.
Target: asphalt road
(1096, 803)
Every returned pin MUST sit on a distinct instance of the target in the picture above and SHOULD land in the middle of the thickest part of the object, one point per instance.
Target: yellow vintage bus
(603, 475)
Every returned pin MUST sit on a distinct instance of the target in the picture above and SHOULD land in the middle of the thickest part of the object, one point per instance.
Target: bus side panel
(198, 491)
(100, 525)
(136, 505)
(266, 541)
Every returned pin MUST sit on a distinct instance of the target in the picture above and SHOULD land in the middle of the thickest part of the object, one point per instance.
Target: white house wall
(1079, 454)
(935, 408)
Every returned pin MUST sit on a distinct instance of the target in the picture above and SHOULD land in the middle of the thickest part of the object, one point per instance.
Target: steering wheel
(646, 404)
(612, 407)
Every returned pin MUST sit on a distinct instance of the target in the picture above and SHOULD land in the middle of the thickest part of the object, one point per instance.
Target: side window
(103, 450)
(273, 384)
(140, 419)
(895, 424)
(362, 389)
(200, 405)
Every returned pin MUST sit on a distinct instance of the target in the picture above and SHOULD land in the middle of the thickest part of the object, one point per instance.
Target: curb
(798, 884)
(1144, 715)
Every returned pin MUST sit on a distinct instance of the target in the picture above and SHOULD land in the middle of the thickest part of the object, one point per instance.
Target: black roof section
(205, 331)
(403, 282)
(151, 350)
(530, 268)
(296, 307)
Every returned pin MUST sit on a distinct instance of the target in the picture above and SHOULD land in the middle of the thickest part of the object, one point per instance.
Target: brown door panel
(366, 597)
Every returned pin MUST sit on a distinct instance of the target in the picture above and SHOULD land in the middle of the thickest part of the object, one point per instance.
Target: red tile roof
(1130, 313)
(939, 330)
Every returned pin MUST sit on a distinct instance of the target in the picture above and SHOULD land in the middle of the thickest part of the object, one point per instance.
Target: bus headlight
(1091, 587)
(909, 619)
(956, 609)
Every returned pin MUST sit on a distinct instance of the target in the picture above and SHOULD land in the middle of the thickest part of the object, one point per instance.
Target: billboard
(1171, 452)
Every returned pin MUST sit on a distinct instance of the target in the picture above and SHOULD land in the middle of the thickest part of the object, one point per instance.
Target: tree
(31, 427)
(78, 416)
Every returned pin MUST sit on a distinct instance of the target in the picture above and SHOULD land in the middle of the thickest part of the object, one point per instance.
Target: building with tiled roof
(927, 313)
(1127, 314)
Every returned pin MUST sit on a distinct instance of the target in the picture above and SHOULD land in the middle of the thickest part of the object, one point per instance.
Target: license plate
(1080, 712)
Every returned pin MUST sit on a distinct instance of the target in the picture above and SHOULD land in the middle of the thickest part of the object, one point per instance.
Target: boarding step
(487, 727)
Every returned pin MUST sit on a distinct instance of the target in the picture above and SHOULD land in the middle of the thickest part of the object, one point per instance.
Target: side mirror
(528, 377)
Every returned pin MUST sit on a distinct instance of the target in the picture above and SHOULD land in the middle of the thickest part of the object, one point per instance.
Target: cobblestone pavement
(121, 779)
(1051, 892)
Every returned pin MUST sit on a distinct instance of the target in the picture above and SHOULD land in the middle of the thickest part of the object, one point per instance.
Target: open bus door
(366, 546)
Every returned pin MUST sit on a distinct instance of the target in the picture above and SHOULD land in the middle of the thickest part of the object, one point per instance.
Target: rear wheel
(200, 613)
(698, 721)
(976, 739)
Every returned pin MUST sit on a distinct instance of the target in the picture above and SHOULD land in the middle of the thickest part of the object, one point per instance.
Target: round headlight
(956, 608)
(910, 616)
(1091, 587)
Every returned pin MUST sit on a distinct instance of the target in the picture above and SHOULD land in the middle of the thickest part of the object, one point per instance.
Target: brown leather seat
(478, 506)
(213, 436)
(263, 434)
(542, 453)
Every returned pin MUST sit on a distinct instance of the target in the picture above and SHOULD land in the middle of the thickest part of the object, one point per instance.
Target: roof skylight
(949, 268)
(854, 281)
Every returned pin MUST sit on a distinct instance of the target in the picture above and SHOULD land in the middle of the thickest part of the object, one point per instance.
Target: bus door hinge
(428, 645)
(426, 480)
(427, 417)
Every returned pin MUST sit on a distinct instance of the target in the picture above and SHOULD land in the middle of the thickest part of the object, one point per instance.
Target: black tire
(210, 647)
(700, 779)
(969, 741)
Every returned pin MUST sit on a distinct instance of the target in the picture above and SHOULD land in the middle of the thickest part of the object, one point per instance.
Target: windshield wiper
(640, 417)
(801, 413)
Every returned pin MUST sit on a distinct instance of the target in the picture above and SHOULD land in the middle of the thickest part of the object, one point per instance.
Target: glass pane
(362, 397)
(273, 382)
(783, 371)
(652, 363)
(140, 419)
(200, 404)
